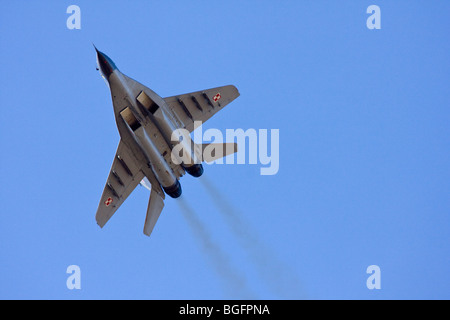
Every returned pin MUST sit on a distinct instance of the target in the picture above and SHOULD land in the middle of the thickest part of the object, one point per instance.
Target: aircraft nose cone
(99, 53)
(106, 65)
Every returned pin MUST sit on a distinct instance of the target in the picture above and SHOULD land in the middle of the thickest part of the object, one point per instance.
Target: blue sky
(364, 175)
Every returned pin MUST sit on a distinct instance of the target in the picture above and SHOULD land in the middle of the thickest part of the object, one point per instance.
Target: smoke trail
(279, 277)
(236, 284)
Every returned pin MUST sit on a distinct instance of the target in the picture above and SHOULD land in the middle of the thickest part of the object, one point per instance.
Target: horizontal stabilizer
(215, 151)
(155, 206)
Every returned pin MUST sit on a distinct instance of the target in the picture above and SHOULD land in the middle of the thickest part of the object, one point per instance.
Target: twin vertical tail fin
(155, 206)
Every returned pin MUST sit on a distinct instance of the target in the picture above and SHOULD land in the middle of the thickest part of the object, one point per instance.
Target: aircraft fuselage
(146, 125)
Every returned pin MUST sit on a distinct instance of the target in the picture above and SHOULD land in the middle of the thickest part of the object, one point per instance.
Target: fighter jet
(146, 124)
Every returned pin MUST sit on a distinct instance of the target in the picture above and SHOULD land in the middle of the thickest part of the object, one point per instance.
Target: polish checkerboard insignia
(108, 201)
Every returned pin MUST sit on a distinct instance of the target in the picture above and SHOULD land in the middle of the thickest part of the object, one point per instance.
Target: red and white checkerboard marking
(217, 97)
(108, 201)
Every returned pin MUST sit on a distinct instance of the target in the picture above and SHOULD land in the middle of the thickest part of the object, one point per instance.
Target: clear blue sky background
(364, 173)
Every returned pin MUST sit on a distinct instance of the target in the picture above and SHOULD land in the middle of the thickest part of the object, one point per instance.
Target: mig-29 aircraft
(146, 123)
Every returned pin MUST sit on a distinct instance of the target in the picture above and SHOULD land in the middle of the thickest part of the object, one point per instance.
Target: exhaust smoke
(277, 276)
(236, 284)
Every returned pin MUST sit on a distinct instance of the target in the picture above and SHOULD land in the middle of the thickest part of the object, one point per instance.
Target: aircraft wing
(200, 105)
(123, 178)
